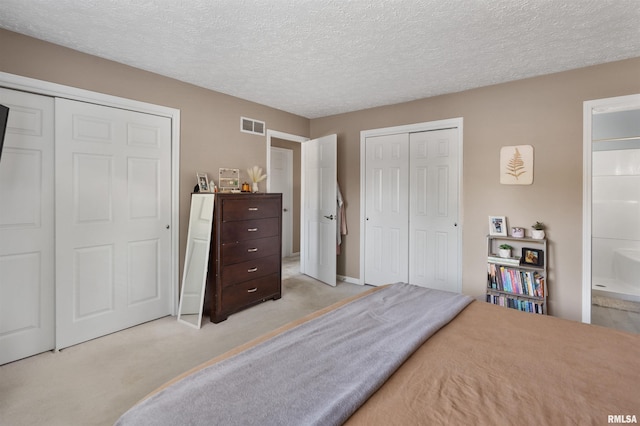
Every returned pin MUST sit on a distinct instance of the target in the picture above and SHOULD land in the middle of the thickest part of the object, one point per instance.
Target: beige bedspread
(497, 366)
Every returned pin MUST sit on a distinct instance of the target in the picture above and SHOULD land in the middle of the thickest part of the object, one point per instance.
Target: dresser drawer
(250, 292)
(246, 271)
(250, 208)
(249, 250)
(250, 229)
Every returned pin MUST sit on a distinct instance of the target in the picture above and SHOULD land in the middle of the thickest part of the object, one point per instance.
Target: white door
(433, 211)
(386, 209)
(319, 200)
(113, 213)
(281, 180)
(26, 227)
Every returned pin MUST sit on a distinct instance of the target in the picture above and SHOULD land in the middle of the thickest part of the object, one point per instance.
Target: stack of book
(504, 260)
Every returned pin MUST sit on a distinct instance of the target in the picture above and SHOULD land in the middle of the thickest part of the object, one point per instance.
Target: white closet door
(433, 213)
(113, 213)
(26, 227)
(387, 183)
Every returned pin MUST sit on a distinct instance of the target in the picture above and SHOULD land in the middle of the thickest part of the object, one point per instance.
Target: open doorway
(318, 203)
(284, 174)
(611, 234)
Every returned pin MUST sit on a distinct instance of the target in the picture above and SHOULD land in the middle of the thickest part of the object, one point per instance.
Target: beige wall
(545, 112)
(210, 134)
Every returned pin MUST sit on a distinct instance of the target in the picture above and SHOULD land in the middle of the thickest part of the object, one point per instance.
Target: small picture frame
(498, 225)
(532, 257)
(203, 182)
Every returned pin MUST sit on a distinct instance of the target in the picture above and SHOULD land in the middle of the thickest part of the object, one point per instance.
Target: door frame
(41, 87)
(619, 103)
(410, 128)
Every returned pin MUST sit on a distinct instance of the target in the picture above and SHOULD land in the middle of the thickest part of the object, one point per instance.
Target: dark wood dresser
(246, 252)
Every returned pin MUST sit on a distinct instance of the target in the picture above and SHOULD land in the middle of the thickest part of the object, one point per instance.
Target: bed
(477, 363)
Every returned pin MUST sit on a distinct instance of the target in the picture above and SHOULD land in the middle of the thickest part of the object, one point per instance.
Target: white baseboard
(349, 280)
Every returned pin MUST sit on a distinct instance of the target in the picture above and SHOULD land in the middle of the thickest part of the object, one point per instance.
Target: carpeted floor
(95, 382)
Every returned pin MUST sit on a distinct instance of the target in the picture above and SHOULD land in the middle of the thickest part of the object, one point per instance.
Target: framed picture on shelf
(532, 257)
(203, 182)
(498, 225)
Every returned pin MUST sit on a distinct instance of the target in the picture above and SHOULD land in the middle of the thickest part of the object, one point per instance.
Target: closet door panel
(386, 182)
(113, 196)
(26, 227)
(433, 195)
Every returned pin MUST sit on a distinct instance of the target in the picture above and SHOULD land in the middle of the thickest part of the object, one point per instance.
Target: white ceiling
(322, 57)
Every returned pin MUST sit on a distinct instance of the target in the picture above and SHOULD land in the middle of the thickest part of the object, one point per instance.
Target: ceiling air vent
(249, 125)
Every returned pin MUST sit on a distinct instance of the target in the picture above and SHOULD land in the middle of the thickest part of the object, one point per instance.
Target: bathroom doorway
(611, 288)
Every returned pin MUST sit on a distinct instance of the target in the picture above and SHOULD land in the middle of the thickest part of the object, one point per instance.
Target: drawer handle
(252, 290)
(253, 209)
(252, 250)
(252, 270)
(252, 229)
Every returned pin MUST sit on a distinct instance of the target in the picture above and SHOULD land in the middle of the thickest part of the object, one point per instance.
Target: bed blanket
(319, 372)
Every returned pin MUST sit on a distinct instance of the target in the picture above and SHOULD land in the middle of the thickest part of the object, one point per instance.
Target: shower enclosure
(615, 207)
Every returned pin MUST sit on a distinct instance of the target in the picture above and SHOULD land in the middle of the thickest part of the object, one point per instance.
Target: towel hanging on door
(341, 217)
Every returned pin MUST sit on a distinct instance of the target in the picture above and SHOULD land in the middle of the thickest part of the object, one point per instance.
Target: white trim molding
(350, 280)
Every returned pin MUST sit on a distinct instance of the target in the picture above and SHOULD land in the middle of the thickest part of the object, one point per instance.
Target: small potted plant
(505, 250)
(538, 231)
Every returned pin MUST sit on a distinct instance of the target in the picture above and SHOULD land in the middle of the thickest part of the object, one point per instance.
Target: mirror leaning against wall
(196, 262)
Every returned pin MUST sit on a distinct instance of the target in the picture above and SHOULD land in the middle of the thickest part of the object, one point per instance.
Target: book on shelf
(516, 281)
(504, 260)
(515, 303)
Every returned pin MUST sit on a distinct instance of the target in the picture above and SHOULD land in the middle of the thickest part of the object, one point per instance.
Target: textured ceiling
(322, 57)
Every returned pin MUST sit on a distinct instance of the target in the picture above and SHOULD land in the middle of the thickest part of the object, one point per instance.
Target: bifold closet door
(27, 227)
(113, 211)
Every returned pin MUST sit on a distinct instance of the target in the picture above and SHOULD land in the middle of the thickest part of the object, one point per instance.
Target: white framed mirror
(196, 262)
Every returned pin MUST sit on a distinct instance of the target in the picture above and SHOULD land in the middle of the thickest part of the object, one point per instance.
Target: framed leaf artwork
(516, 165)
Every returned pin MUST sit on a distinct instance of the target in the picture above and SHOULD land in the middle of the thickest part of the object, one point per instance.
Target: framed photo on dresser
(203, 182)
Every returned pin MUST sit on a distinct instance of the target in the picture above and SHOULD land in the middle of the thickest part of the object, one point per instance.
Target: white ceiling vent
(249, 125)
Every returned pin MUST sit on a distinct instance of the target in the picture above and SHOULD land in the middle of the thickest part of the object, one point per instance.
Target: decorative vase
(506, 253)
(537, 234)
(254, 187)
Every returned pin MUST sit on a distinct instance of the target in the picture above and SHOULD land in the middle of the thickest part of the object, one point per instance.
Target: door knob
(286, 210)
(329, 217)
